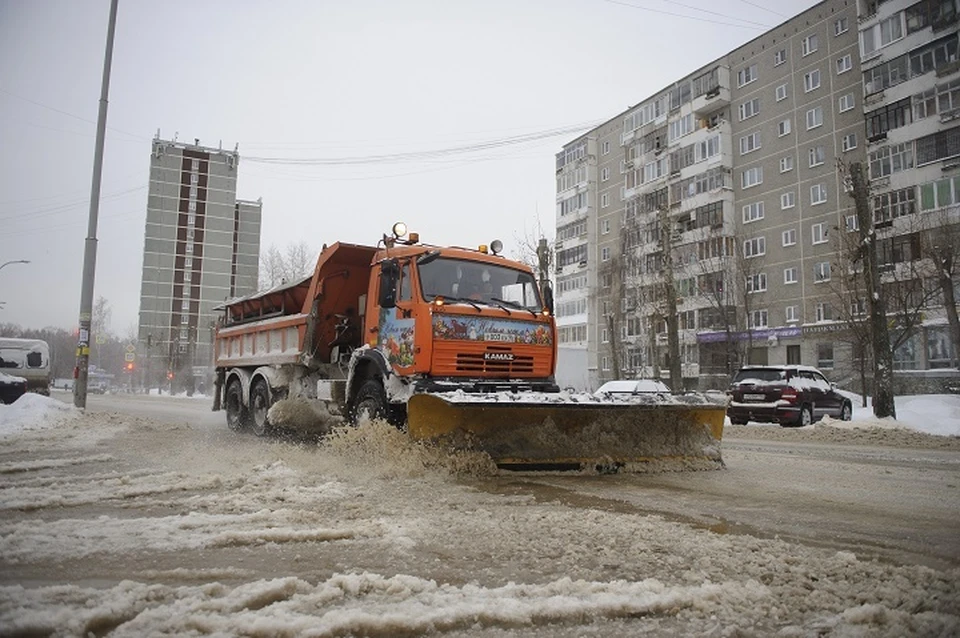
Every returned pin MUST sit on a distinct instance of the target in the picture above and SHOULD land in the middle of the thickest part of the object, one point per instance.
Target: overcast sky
(317, 79)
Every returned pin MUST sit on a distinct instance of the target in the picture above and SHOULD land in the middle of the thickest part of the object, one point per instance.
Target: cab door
(395, 335)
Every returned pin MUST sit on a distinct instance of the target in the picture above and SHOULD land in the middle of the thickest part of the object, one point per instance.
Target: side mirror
(548, 297)
(389, 274)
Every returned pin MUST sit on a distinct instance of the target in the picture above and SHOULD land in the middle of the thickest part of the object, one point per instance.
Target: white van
(27, 358)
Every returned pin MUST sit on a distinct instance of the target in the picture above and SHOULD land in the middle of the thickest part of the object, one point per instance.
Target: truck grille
(478, 362)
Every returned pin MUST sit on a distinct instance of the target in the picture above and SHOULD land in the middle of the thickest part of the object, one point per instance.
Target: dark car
(11, 388)
(788, 395)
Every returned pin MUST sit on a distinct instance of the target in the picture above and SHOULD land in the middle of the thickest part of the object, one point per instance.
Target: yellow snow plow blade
(557, 434)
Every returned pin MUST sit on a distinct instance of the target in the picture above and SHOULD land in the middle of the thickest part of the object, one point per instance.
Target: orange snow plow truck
(456, 346)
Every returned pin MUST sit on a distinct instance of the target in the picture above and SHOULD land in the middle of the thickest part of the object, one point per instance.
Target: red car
(789, 395)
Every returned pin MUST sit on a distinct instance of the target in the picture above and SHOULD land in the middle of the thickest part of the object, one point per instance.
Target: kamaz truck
(456, 346)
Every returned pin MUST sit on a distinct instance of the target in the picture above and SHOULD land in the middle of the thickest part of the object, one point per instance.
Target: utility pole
(90, 245)
(670, 290)
(883, 400)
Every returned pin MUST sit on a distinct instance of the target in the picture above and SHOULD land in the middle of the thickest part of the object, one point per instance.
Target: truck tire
(371, 401)
(238, 419)
(259, 407)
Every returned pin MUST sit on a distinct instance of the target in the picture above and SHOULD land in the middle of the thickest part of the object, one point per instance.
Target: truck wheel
(237, 417)
(371, 401)
(259, 407)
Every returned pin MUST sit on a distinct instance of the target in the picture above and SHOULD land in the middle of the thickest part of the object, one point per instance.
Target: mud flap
(552, 434)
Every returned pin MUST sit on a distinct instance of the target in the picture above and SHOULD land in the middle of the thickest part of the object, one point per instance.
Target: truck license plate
(754, 397)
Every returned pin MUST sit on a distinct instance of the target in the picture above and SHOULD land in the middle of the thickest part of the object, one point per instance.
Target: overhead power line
(760, 6)
(722, 15)
(688, 17)
(73, 115)
(424, 155)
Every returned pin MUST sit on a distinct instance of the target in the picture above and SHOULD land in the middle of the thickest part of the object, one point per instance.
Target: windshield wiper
(472, 302)
(512, 304)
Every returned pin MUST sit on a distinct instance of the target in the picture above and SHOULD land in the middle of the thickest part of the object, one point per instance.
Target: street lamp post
(15, 261)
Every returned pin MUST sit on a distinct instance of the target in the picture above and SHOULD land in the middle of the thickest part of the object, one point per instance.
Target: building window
(825, 356)
(605, 148)
(846, 102)
(880, 35)
(605, 364)
(819, 233)
(816, 156)
(851, 223)
(779, 57)
(821, 272)
(818, 194)
(849, 142)
(604, 200)
(840, 26)
(195, 165)
(781, 92)
(790, 312)
(938, 146)
(194, 178)
(604, 174)
(747, 75)
(751, 177)
(783, 128)
(811, 81)
(752, 212)
(788, 200)
(749, 108)
(809, 45)
(814, 117)
(940, 193)
(888, 206)
(824, 311)
(605, 253)
(749, 143)
(757, 283)
(755, 247)
(844, 64)
(786, 163)
(605, 227)
(888, 117)
(790, 275)
(758, 319)
(891, 159)
(790, 237)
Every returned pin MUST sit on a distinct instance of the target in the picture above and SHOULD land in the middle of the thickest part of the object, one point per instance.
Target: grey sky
(316, 79)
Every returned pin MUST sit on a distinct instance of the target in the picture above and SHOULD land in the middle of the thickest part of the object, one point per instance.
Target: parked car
(11, 388)
(789, 395)
(633, 386)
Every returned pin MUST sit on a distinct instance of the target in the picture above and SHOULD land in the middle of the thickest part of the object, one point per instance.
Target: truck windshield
(478, 281)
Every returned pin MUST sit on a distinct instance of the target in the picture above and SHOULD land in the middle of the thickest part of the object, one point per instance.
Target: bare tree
(942, 246)
(883, 398)
(295, 262)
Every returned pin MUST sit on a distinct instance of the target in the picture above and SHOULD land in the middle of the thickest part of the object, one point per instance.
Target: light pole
(15, 261)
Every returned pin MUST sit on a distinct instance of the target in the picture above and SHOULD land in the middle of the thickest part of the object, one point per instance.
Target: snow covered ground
(129, 526)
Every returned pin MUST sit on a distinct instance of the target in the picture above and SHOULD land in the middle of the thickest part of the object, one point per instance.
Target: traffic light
(170, 375)
(129, 366)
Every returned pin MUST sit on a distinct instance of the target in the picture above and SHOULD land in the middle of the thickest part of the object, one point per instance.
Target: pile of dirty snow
(34, 412)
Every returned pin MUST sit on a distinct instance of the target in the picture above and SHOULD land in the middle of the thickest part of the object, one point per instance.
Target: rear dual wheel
(238, 419)
(260, 407)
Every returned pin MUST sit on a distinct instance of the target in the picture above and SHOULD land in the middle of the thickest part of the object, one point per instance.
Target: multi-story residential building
(911, 86)
(730, 187)
(201, 246)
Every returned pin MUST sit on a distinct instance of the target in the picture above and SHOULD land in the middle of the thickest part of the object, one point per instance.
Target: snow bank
(33, 412)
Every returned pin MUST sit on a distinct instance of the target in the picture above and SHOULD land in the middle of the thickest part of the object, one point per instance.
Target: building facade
(722, 202)
(201, 247)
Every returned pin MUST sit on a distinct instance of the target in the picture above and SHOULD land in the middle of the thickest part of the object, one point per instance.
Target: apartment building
(201, 246)
(722, 201)
(911, 86)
